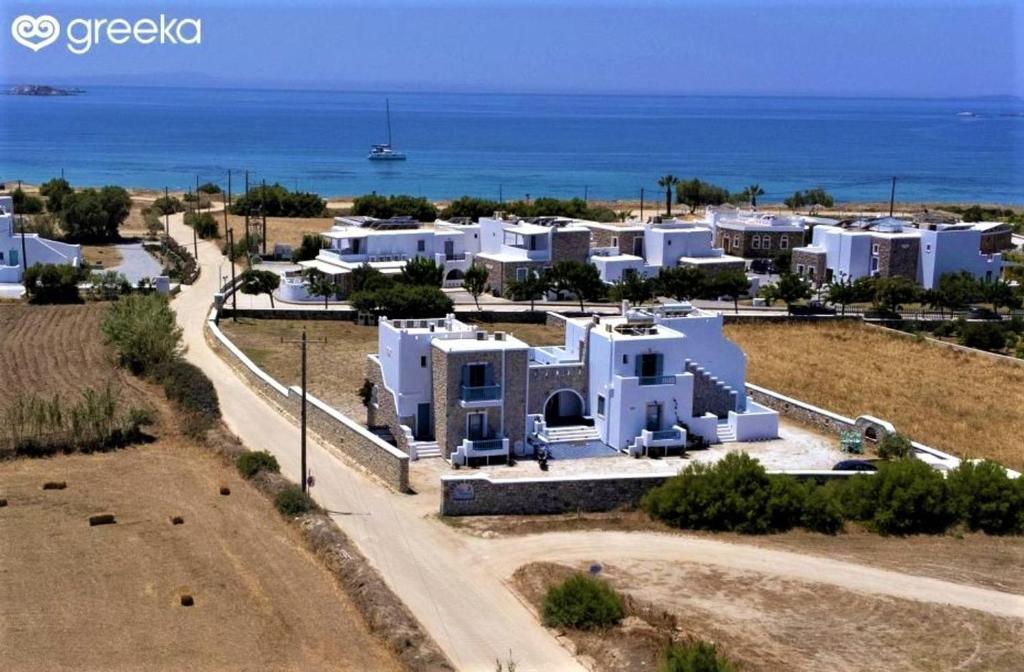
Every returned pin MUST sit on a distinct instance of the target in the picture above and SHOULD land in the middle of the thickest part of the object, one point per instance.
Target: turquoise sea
(603, 147)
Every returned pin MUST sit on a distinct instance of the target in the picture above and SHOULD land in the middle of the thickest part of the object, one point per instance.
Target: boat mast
(387, 107)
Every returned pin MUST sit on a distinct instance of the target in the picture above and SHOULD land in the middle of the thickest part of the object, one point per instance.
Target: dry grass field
(281, 230)
(337, 367)
(959, 402)
(766, 623)
(75, 597)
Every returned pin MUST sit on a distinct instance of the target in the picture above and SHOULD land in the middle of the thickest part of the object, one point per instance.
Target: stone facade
(570, 245)
(713, 269)
(996, 240)
(897, 257)
(546, 380)
(711, 396)
(741, 243)
(500, 273)
(809, 260)
(623, 240)
(383, 413)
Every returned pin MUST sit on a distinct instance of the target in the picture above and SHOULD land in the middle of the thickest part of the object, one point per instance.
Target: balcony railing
(455, 256)
(481, 393)
(486, 444)
(657, 380)
(665, 434)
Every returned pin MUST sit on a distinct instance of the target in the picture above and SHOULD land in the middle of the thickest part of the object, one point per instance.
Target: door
(14, 258)
(638, 246)
(424, 430)
(475, 426)
(449, 249)
(653, 422)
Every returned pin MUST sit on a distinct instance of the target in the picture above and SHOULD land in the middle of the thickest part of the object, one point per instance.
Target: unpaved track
(453, 583)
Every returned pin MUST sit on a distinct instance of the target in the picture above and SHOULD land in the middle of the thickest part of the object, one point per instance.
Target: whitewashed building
(646, 382)
(756, 235)
(386, 245)
(891, 247)
(17, 250)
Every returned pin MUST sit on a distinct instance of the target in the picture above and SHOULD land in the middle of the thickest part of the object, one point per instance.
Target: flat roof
(508, 342)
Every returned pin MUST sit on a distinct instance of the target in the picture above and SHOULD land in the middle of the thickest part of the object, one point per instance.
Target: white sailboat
(384, 152)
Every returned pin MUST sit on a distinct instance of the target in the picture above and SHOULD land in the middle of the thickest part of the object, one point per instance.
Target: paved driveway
(136, 263)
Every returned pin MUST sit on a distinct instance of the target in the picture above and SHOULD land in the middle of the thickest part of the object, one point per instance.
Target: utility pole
(892, 196)
(225, 199)
(248, 207)
(195, 244)
(586, 193)
(24, 253)
(229, 186)
(501, 200)
(231, 262)
(167, 213)
(263, 211)
(304, 341)
(641, 204)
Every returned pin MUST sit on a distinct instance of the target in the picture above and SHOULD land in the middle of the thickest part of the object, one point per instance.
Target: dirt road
(453, 583)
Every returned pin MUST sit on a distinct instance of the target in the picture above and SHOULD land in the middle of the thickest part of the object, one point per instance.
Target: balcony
(483, 395)
(659, 442)
(657, 380)
(485, 445)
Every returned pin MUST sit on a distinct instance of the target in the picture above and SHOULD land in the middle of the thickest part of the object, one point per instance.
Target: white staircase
(425, 449)
(569, 434)
(725, 432)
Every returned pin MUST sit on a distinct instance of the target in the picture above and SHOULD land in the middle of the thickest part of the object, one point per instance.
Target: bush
(26, 204)
(179, 264)
(903, 497)
(582, 602)
(208, 188)
(275, 200)
(895, 447)
(385, 207)
(53, 283)
(985, 498)
(168, 205)
(187, 386)
(308, 249)
(142, 329)
(55, 191)
(399, 301)
(109, 285)
(292, 501)
(983, 336)
(251, 463)
(694, 656)
(204, 223)
(95, 215)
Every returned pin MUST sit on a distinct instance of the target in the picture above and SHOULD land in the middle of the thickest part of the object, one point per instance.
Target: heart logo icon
(35, 32)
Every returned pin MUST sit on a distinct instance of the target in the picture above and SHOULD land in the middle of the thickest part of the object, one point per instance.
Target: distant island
(41, 90)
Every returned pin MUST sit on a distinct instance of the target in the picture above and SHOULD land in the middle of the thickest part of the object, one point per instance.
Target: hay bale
(225, 490)
(101, 519)
(54, 485)
(177, 520)
(187, 601)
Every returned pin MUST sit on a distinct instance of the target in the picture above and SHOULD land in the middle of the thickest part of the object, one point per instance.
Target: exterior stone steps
(725, 433)
(425, 450)
(575, 434)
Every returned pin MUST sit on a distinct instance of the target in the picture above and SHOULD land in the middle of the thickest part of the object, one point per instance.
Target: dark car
(854, 465)
(981, 313)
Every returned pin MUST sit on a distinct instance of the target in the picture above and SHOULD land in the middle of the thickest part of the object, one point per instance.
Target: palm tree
(754, 191)
(668, 182)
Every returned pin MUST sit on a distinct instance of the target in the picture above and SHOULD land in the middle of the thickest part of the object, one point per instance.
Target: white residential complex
(17, 250)
(892, 247)
(646, 382)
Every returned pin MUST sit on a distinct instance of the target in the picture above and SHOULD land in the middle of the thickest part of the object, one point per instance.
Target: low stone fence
(337, 430)
(481, 495)
(800, 411)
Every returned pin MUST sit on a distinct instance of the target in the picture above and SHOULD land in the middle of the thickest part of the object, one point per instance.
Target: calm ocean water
(604, 146)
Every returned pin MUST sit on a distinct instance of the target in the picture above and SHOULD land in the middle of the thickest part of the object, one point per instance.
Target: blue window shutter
(465, 375)
(488, 374)
(660, 359)
(638, 365)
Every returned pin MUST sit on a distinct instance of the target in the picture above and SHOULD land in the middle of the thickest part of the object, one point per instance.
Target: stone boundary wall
(896, 331)
(481, 495)
(337, 430)
(827, 421)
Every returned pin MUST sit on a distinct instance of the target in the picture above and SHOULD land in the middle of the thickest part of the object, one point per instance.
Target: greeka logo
(36, 32)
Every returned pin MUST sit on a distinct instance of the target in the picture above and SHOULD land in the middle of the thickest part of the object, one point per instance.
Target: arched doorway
(564, 407)
(455, 274)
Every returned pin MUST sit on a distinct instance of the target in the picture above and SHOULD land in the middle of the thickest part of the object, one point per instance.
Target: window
(423, 361)
(600, 404)
(615, 241)
(874, 264)
(756, 243)
(625, 359)
(521, 273)
(928, 247)
(421, 245)
(800, 269)
(476, 426)
(736, 242)
(874, 248)
(373, 395)
(784, 242)
(767, 242)
(669, 243)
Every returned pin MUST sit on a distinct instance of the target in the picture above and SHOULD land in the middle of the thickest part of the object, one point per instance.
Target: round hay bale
(54, 485)
(101, 519)
(177, 520)
(225, 490)
(187, 601)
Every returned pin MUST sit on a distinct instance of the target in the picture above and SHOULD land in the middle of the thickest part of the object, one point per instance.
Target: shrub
(54, 191)
(308, 249)
(209, 188)
(179, 264)
(251, 463)
(903, 497)
(582, 602)
(168, 205)
(385, 207)
(694, 656)
(53, 283)
(895, 446)
(274, 200)
(109, 285)
(190, 388)
(985, 498)
(983, 336)
(204, 223)
(26, 204)
(400, 301)
(142, 329)
(292, 501)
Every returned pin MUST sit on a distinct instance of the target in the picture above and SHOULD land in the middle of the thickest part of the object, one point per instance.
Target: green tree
(475, 282)
(732, 283)
(694, 656)
(168, 205)
(842, 294)
(668, 183)
(903, 497)
(385, 207)
(791, 288)
(422, 271)
(534, 287)
(208, 188)
(1000, 294)
(309, 248)
(895, 446)
(985, 498)
(26, 204)
(696, 193)
(368, 278)
(142, 329)
(274, 200)
(682, 283)
(468, 206)
(893, 292)
(95, 215)
(634, 288)
(52, 283)
(255, 282)
(320, 284)
(54, 191)
(204, 223)
(581, 279)
(752, 192)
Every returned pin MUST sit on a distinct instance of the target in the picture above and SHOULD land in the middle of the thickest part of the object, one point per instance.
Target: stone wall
(815, 260)
(384, 414)
(712, 270)
(570, 245)
(623, 240)
(726, 239)
(337, 431)
(996, 241)
(795, 409)
(898, 257)
(546, 380)
(500, 273)
(711, 396)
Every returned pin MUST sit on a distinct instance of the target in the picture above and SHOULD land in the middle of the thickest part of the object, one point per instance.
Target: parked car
(763, 266)
(854, 465)
(981, 313)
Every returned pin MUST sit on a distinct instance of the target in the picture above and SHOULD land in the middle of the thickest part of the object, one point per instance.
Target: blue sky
(942, 48)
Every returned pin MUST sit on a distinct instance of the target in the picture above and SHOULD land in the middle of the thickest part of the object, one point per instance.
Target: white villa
(386, 245)
(751, 234)
(645, 249)
(646, 382)
(891, 247)
(16, 249)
